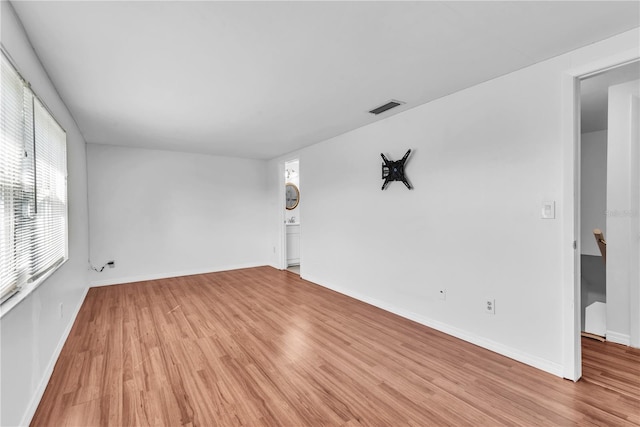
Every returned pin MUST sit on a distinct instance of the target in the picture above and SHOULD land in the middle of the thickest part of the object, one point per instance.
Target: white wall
(484, 160)
(593, 191)
(32, 333)
(622, 214)
(162, 214)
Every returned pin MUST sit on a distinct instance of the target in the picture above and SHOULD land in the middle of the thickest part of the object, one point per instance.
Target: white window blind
(33, 186)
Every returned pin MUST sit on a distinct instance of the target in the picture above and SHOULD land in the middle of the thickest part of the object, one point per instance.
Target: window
(33, 187)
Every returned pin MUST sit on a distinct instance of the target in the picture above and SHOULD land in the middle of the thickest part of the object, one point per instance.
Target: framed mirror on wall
(292, 196)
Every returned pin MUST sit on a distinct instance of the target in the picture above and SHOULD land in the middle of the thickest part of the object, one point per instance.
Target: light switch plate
(548, 210)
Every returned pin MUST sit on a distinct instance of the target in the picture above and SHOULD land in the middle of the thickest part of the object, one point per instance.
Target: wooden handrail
(602, 244)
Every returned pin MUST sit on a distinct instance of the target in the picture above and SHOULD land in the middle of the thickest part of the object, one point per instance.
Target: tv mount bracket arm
(394, 170)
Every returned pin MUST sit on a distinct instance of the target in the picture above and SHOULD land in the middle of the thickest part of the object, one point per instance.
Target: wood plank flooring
(262, 347)
(612, 366)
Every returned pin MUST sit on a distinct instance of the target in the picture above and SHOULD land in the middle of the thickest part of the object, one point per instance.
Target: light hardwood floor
(263, 347)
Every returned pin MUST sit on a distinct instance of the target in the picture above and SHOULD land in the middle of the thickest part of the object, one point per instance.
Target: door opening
(292, 216)
(607, 214)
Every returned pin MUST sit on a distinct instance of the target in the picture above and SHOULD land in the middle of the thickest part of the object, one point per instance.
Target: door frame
(634, 289)
(282, 165)
(282, 226)
(571, 248)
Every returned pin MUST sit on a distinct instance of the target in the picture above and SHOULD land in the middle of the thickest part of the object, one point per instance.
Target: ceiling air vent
(388, 106)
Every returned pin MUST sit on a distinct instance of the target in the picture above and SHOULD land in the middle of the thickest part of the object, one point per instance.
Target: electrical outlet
(490, 306)
(111, 264)
(61, 310)
(442, 294)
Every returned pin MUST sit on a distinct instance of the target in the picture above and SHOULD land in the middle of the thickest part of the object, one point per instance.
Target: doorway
(292, 216)
(607, 214)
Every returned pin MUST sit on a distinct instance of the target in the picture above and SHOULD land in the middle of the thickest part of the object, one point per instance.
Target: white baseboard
(145, 277)
(510, 352)
(277, 267)
(37, 395)
(618, 338)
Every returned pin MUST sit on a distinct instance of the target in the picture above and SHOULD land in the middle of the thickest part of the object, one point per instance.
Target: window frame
(36, 278)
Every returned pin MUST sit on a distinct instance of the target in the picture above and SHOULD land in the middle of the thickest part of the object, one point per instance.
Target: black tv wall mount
(394, 170)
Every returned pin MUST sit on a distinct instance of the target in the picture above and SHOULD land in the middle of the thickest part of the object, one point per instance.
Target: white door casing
(622, 214)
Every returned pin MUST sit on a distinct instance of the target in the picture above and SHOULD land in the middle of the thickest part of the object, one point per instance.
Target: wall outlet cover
(490, 306)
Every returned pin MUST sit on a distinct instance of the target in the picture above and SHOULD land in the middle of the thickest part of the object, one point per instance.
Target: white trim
(618, 338)
(634, 205)
(46, 376)
(146, 277)
(25, 290)
(571, 346)
(571, 341)
(510, 352)
(282, 227)
(300, 214)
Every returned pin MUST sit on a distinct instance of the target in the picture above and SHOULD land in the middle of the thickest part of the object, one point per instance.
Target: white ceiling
(260, 79)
